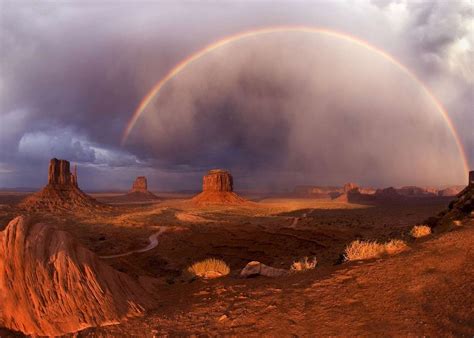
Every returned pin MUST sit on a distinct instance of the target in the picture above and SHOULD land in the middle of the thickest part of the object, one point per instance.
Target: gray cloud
(71, 75)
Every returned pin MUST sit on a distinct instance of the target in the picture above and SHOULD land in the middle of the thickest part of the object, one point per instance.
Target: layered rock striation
(50, 285)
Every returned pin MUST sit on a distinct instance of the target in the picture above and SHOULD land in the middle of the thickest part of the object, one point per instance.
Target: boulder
(51, 285)
(255, 268)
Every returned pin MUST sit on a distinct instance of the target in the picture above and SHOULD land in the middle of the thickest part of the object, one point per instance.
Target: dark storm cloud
(71, 75)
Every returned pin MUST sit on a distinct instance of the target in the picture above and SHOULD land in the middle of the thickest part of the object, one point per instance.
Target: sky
(278, 110)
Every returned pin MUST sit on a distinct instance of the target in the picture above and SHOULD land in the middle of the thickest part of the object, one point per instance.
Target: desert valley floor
(426, 290)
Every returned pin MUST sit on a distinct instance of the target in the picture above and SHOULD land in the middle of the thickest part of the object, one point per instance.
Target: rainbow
(280, 29)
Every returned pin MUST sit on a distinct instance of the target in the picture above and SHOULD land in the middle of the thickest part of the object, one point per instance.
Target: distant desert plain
(318, 261)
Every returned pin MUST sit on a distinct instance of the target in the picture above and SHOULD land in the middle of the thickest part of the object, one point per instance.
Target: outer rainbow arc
(211, 47)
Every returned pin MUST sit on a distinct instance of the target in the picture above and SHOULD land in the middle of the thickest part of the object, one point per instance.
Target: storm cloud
(282, 110)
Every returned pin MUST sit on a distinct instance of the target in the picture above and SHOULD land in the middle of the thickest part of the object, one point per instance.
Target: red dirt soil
(428, 290)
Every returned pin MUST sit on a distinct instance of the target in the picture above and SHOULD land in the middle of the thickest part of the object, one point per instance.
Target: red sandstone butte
(218, 188)
(62, 191)
(140, 191)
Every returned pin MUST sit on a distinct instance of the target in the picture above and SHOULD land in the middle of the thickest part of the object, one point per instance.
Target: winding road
(153, 239)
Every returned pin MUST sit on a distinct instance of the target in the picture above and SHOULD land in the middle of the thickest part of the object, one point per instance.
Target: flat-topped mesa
(218, 180)
(59, 173)
(218, 188)
(139, 192)
(140, 184)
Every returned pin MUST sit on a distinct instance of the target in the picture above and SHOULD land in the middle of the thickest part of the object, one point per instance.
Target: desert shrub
(420, 231)
(359, 250)
(209, 268)
(304, 264)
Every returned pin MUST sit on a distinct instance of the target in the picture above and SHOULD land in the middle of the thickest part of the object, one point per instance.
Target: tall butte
(140, 191)
(62, 191)
(218, 188)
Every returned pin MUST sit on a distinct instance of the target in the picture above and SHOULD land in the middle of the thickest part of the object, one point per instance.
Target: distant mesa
(140, 191)
(62, 191)
(450, 191)
(350, 186)
(50, 285)
(218, 188)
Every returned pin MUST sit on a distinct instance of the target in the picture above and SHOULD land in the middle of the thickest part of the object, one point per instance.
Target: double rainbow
(303, 29)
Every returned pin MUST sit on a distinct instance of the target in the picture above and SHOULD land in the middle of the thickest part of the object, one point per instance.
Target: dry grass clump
(360, 250)
(209, 268)
(304, 264)
(420, 231)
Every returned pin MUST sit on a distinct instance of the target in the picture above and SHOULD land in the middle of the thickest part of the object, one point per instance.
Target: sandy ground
(400, 295)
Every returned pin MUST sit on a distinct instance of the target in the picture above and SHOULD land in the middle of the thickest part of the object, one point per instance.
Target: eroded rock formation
(218, 180)
(218, 188)
(61, 193)
(140, 192)
(140, 184)
(50, 285)
(459, 212)
(255, 268)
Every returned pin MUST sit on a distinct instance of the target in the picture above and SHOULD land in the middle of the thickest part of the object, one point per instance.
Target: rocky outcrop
(460, 210)
(255, 268)
(51, 285)
(140, 192)
(61, 193)
(218, 188)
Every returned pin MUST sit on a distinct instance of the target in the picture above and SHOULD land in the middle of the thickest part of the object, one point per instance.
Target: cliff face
(59, 173)
(218, 180)
(140, 184)
(61, 193)
(50, 285)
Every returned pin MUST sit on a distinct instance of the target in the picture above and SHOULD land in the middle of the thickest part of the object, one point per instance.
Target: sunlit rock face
(217, 188)
(51, 285)
(295, 108)
(217, 180)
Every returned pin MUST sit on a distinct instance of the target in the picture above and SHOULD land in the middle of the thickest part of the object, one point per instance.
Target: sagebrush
(209, 268)
(359, 250)
(420, 231)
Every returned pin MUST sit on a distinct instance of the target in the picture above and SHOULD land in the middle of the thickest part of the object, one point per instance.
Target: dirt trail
(153, 239)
